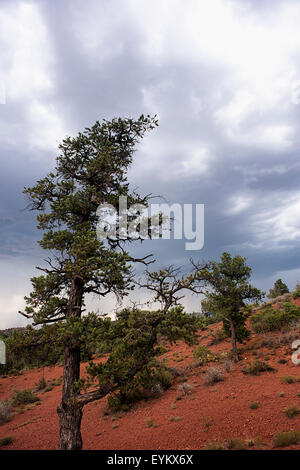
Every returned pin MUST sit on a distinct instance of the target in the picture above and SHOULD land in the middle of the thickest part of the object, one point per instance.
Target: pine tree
(279, 288)
(229, 291)
(90, 170)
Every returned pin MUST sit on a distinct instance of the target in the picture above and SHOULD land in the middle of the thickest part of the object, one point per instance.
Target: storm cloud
(224, 79)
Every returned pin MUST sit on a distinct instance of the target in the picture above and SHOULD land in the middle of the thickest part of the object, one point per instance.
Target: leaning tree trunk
(70, 410)
(233, 342)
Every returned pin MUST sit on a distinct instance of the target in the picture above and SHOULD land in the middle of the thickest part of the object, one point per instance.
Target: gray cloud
(220, 77)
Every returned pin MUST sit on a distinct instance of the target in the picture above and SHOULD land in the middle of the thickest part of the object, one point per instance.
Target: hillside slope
(175, 420)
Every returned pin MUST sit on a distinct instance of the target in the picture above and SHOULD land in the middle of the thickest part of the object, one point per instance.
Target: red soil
(225, 406)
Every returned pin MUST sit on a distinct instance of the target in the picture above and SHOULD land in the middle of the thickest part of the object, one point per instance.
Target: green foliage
(218, 336)
(289, 379)
(5, 441)
(253, 405)
(256, 367)
(229, 280)
(24, 397)
(204, 321)
(279, 289)
(286, 438)
(91, 169)
(270, 319)
(214, 446)
(291, 411)
(204, 355)
(31, 348)
(296, 291)
(135, 335)
(42, 384)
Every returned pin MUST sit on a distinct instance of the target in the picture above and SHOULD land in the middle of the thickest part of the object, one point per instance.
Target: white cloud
(29, 77)
(238, 203)
(279, 222)
(26, 51)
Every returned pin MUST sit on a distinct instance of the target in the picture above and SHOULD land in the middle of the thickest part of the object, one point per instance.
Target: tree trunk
(233, 342)
(70, 410)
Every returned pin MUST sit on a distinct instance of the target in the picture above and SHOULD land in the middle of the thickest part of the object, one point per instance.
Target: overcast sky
(223, 78)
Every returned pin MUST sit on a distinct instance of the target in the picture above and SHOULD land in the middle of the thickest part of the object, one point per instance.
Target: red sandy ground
(224, 405)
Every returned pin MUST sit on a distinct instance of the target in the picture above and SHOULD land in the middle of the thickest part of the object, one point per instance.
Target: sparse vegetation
(286, 438)
(41, 384)
(256, 367)
(292, 411)
(271, 319)
(5, 411)
(185, 388)
(5, 441)
(253, 405)
(213, 375)
(23, 397)
(289, 379)
(175, 418)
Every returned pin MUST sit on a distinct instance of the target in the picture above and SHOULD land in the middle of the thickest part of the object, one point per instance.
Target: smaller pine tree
(279, 288)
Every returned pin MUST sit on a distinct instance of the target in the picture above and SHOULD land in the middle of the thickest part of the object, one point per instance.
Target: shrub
(286, 438)
(256, 442)
(23, 397)
(203, 355)
(213, 375)
(228, 365)
(148, 383)
(156, 390)
(256, 367)
(41, 384)
(185, 388)
(282, 361)
(214, 446)
(289, 379)
(235, 444)
(5, 441)
(292, 411)
(218, 337)
(270, 319)
(254, 405)
(296, 292)
(231, 444)
(175, 418)
(5, 411)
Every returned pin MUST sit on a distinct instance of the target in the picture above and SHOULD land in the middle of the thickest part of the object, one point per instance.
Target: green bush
(270, 319)
(149, 383)
(24, 397)
(30, 348)
(291, 411)
(42, 383)
(253, 405)
(256, 367)
(203, 355)
(214, 446)
(4, 441)
(286, 438)
(296, 292)
(289, 379)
